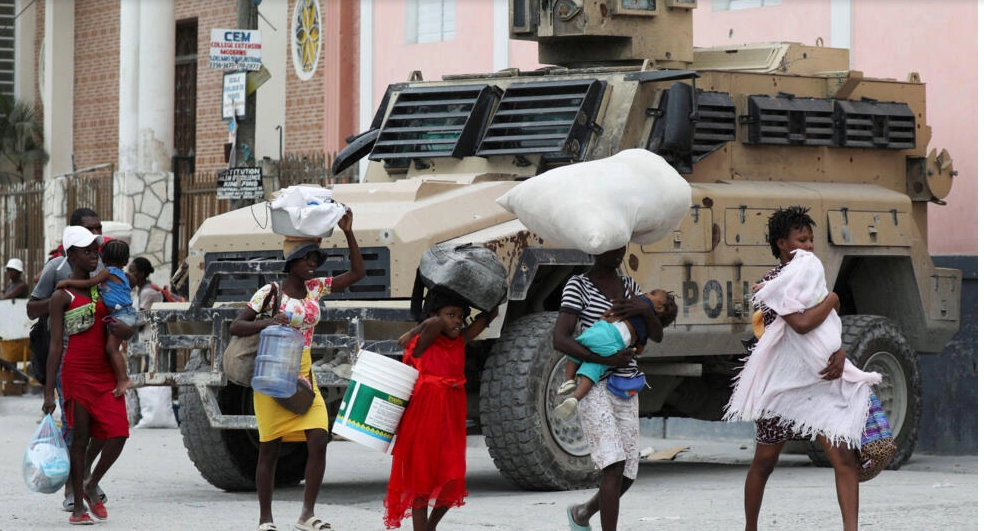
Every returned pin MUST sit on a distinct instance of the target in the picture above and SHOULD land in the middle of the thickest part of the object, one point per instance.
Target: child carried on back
(606, 337)
(114, 288)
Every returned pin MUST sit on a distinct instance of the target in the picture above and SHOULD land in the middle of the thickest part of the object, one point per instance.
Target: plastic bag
(603, 204)
(46, 465)
(305, 211)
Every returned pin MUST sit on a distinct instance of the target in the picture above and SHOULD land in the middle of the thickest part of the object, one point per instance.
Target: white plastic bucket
(375, 400)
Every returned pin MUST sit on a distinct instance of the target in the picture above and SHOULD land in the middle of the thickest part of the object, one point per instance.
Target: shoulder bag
(299, 402)
(239, 358)
(78, 320)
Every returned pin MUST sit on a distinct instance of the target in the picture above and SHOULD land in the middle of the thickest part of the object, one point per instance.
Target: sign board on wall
(233, 95)
(239, 183)
(235, 49)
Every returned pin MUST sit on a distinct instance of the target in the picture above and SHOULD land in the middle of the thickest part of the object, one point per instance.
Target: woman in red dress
(429, 452)
(88, 379)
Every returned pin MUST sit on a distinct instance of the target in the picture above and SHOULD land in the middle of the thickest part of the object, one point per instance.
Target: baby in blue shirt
(606, 337)
(114, 288)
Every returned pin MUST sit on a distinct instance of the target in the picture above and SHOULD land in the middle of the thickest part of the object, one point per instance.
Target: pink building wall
(470, 52)
(939, 41)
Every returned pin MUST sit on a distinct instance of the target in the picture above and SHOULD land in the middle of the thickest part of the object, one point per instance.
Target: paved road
(155, 487)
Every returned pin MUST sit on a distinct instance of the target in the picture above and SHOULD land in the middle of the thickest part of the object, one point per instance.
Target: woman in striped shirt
(610, 424)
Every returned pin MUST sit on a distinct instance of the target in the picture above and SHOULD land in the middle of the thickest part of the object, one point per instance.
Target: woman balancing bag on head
(299, 305)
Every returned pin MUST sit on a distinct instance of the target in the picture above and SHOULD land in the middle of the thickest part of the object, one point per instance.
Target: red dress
(88, 379)
(429, 450)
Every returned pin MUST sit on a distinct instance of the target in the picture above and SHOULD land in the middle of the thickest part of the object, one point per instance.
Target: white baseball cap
(15, 263)
(75, 236)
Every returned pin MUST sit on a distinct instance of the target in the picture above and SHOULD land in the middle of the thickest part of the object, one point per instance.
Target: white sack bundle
(603, 204)
(156, 408)
(305, 211)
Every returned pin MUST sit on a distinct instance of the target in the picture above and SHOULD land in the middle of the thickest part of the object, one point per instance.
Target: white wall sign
(233, 95)
(239, 183)
(235, 49)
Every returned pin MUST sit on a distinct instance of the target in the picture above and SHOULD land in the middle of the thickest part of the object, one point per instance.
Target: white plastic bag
(156, 408)
(46, 463)
(603, 204)
(305, 211)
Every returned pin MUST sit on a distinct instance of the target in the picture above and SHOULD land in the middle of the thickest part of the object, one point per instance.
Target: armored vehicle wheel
(528, 444)
(875, 343)
(227, 458)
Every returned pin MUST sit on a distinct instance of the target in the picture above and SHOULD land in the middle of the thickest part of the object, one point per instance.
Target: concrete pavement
(155, 487)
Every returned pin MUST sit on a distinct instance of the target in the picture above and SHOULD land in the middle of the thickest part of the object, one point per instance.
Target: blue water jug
(278, 361)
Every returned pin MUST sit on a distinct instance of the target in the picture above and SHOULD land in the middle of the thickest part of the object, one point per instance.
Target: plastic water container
(375, 400)
(278, 361)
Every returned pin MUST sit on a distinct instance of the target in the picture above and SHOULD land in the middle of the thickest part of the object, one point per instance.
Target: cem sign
(235, 49)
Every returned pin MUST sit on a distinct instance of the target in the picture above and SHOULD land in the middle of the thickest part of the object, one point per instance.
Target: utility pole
(247, 19)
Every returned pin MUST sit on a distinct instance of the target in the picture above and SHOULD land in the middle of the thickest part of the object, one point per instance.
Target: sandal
(567, 387)
(84, 519)
(267, 526)
(574, 525)
(313, 524)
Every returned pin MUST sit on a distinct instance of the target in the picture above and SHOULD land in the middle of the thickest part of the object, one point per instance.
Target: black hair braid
(784, 220)
(116, 253)
(143, 265)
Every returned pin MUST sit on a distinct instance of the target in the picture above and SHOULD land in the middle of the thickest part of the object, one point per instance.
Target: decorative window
(305, 44)
(734, 5)
(429, 21)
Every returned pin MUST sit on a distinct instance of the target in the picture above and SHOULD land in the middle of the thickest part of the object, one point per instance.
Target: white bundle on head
(603, 204)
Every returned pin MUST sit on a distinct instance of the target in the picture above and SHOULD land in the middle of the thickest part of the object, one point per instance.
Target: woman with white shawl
(797, 383)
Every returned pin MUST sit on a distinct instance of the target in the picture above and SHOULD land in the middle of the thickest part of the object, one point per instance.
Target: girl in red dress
(429, 452)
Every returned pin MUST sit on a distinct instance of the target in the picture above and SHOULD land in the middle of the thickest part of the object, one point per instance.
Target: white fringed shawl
(781, 378)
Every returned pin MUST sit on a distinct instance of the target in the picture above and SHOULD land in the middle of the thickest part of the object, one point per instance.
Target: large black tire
(529, 445)
(876, 343)
(227, 458)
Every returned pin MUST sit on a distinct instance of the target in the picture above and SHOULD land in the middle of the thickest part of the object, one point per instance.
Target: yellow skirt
(275, 422)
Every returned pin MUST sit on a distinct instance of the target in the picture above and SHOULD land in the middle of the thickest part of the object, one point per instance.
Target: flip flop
(574, 525)
(267, 526)
(313, 524)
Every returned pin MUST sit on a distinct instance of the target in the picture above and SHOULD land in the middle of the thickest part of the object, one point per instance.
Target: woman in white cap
(16, 287)
(299, 304)
(87, 378)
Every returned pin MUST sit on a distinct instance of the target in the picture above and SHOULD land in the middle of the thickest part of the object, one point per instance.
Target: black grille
(435, 122)
(552, 118)
(866, 124)
(787, 121)
(715, 122)
(240, 287)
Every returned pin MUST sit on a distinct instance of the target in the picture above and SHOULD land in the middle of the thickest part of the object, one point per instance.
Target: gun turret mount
(578, 33)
